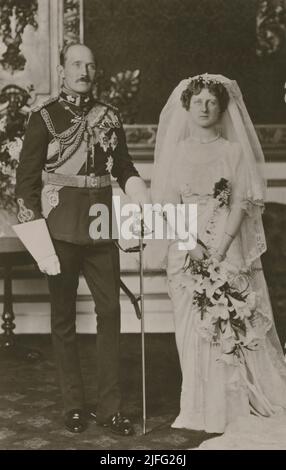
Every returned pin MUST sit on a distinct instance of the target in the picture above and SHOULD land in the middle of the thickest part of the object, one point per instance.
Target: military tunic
(76, 138)
(61, 124)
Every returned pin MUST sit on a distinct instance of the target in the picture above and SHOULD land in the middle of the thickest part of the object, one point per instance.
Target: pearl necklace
(213, 139)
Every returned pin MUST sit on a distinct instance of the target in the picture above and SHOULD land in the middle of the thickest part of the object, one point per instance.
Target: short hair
(197, 85)
(66, 47)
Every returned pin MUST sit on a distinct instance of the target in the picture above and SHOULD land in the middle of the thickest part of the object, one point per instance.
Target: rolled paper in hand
(36, 238)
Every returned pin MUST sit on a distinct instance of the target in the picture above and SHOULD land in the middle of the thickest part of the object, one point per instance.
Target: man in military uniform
(72, 145)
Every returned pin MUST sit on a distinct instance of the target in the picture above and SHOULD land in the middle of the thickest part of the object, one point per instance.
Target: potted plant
(13, 112)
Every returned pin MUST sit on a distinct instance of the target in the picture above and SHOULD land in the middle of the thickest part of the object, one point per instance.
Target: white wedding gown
(220, 394)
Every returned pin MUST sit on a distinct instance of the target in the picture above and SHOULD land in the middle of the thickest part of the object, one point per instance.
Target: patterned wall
(172, 39)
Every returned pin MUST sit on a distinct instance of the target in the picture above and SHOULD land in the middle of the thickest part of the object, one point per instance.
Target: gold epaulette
(52, 99)
(103, 115)
(107, 105)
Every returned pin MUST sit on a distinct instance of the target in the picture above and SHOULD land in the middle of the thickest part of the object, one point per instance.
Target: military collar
(75, 98)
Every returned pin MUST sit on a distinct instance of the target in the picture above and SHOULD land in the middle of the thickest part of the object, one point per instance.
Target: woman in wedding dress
(207, 153)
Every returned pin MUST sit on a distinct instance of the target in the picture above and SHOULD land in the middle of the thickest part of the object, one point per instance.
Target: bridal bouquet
(225, 304)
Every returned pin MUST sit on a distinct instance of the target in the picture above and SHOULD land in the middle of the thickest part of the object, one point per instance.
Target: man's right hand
(50, 265)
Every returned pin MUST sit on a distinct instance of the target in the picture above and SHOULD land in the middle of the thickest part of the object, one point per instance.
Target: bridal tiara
(206, 79)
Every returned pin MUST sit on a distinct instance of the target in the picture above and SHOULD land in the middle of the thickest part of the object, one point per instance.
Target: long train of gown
(215, 391)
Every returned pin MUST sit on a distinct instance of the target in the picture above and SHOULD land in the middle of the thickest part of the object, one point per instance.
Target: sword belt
(76, 181)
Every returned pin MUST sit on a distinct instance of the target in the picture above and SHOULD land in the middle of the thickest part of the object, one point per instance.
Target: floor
(31, 408)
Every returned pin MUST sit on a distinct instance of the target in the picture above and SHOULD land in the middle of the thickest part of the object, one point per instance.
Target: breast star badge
(103, 141)
(113, 141)
(109, 164)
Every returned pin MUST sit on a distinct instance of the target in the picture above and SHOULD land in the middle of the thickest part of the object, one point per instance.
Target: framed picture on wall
(31, 35)
(25, 57)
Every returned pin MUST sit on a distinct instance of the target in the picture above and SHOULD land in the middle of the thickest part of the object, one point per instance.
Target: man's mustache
(84, 79)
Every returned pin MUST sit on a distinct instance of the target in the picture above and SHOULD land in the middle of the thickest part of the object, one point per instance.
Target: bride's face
(204, 109)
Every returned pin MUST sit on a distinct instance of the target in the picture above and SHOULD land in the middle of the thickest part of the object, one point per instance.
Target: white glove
(50, 265)
(36, 238)
(137, 191)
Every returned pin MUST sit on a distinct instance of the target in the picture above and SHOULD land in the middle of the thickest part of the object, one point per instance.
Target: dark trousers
(100, 267)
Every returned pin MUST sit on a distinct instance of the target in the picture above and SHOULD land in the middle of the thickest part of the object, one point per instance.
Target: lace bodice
(200, 166)
(197, 169)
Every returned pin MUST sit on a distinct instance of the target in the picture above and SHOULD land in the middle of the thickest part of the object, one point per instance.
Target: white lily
(241, 307)
(220, 308)
(251, 338)
(251, 301)
(228, 345)
(217, 272)
(213, 288)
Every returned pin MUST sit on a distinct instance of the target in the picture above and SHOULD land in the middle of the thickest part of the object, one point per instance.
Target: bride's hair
(196, 86)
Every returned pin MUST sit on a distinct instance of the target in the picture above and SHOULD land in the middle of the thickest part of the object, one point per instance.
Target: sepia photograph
(142, 227)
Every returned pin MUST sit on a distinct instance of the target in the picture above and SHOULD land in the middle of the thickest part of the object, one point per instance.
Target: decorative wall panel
(25, 44)
(72, 21)
(270, 26)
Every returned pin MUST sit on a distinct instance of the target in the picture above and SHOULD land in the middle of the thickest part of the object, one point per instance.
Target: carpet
(31, 407)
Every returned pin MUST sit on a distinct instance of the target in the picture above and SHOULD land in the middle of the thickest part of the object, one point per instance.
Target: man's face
(79, 69)
(205, 109)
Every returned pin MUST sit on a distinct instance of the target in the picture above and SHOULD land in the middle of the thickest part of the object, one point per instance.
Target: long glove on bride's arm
(232, 227)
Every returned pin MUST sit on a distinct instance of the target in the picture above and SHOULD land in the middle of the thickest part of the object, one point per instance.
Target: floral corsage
(222, 192)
